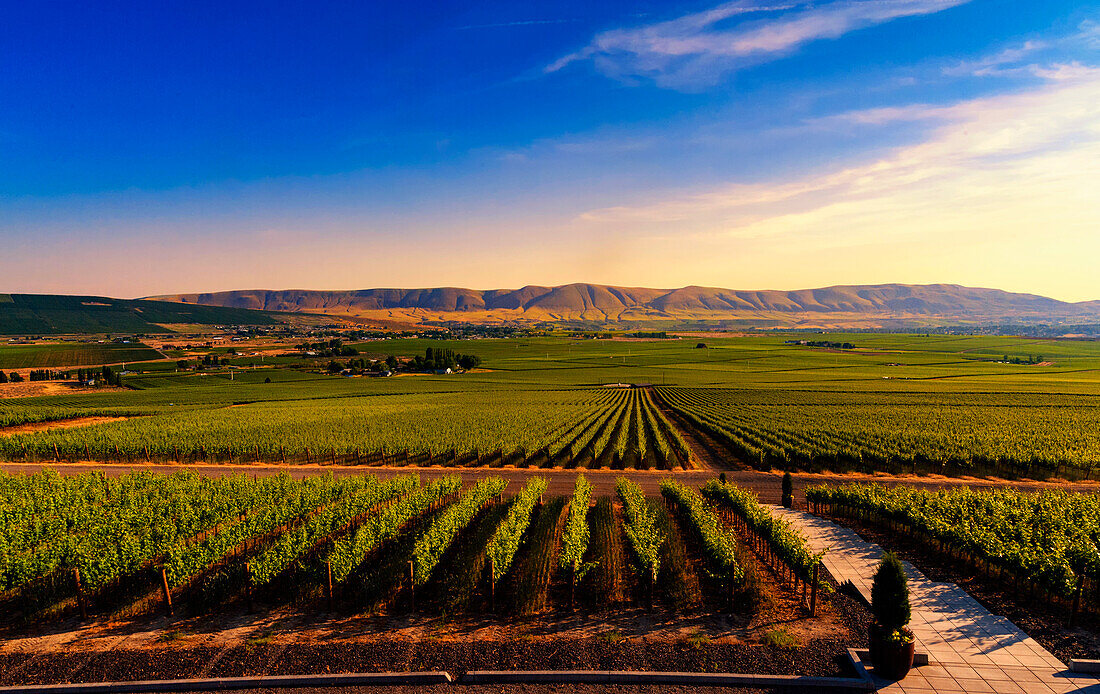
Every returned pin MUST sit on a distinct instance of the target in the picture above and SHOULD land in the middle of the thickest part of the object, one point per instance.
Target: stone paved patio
(969, 649)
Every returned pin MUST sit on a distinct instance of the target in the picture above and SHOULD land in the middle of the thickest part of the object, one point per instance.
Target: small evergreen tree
(3, 377)
(890, 594)
(15, 377)
(788, 490)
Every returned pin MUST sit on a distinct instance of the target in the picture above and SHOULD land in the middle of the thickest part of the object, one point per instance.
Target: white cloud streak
(698, 50)
(1013, 162)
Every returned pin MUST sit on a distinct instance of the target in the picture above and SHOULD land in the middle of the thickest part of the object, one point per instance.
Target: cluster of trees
(14, 378)
(650, 335)
(207, 360)
(362, 365)
(47, 375)
(1020, 360)
(822, 343)
(106, 375)
(438, 359)
(330, 348)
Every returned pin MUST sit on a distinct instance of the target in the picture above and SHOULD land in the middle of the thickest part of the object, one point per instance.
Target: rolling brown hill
(840, 306)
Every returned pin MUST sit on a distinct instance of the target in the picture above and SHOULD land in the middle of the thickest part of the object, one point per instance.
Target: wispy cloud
(699, 50)
(1007, 61)
(1090, 33)
(1049, 59)
(1004, 164)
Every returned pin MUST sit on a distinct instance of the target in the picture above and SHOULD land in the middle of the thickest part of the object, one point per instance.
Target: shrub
(788, 490)
(890, 594)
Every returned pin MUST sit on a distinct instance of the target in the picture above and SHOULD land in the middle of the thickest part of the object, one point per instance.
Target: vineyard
(1034, 542)
(73, 354)
(947, 433)
(612, 428)
(898, 403)
(146, 542)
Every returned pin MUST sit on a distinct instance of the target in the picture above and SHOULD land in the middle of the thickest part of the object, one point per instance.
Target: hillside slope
(51, 314)
(602, 303)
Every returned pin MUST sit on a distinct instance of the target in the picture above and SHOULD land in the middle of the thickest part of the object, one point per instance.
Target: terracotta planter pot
(894, 660)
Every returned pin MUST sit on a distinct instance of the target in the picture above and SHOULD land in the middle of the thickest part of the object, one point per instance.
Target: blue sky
(164, 147)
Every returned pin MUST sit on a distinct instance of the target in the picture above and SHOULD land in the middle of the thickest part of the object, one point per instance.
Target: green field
(38, 356)
(210, 542)
(1048, 539)
(895, 402)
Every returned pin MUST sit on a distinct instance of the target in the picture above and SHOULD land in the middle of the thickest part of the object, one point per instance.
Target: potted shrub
(788, 490)
(891, 641)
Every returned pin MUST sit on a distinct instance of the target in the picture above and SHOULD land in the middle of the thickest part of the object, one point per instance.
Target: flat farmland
(46, 355)
(959, 405)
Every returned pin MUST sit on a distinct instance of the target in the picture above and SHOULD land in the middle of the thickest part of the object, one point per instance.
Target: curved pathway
(969, 649)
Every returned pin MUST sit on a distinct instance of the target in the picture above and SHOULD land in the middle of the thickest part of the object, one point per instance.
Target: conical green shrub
(890, 594)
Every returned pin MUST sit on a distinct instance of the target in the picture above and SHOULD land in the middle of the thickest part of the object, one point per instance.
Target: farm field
(898, 403)
(143, 542)
(44, 355)
(1048, 539)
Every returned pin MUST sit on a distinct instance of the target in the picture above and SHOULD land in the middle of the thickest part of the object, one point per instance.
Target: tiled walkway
(969, 649)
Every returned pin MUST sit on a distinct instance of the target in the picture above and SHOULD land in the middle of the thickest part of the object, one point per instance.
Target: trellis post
(166, 590)
(80, 594)
(331, 601)
(813, 592)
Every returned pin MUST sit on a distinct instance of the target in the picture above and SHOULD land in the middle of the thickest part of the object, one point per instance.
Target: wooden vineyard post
(167, 591)
(176, 453)
(1076, 602)
(813, 592)
(248, 584)
(56, 454)
(87, 455)
(492, 584)
(573, 589)
(282, 454)
(331, 601)
(80, 594)
(147, 458)
(308, 461)
(412, 586)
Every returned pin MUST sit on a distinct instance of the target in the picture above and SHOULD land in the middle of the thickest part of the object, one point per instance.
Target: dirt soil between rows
(303, 637)
(291, 642)
(57, 424)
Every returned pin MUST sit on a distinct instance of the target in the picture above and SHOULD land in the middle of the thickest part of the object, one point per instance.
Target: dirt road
(560, 482)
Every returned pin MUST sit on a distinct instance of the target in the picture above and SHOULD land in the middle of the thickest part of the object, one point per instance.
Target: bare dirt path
(767, 485)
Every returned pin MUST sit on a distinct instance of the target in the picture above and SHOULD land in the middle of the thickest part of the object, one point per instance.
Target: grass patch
(171, 636)
(261, 639)
(611, 636)
(780, 638)
(697, 640)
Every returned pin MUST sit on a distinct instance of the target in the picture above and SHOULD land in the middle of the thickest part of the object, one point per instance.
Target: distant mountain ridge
(595, 302)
